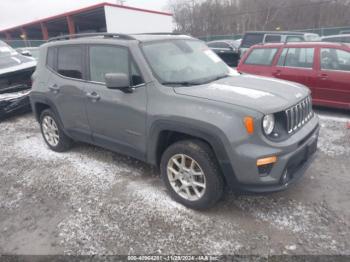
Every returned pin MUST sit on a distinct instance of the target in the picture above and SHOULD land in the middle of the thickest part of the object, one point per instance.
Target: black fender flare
(34, 99)
(205, 131)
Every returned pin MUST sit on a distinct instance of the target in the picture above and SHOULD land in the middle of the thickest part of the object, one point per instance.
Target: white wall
(120, 20)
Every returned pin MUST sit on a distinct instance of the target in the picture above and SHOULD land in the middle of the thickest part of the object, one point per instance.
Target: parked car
(29, 51)
(345, 38)
(253, 38)
(323, 67)
(227, 50)
(170, 101)
(15, 82)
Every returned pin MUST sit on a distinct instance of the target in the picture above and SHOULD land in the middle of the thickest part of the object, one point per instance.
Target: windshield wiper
(218, 78)
(183, 83)
(193, 83)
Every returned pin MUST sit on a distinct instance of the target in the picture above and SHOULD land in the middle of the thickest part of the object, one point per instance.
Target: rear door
(333, 82)
(297, 64)
(66, 87)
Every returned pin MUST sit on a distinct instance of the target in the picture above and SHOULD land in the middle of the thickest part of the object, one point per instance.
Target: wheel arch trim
(204, 131)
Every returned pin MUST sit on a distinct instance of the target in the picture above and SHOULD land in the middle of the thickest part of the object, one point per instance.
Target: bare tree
(215, 17)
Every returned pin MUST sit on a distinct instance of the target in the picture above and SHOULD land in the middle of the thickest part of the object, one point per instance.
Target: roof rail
(160, 33)
(105, 35)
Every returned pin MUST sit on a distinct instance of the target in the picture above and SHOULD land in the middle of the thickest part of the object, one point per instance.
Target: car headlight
(268, 124)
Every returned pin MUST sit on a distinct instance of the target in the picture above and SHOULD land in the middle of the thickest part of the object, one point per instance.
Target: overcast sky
(16, 12)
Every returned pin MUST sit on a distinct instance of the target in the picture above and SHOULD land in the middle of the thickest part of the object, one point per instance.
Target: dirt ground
(93, 201)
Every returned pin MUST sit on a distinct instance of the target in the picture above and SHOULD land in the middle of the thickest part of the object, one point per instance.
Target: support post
(44, 31)
(71, 25)
(7, 35)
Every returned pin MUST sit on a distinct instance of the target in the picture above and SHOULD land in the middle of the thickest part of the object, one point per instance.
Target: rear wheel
(191, 174)
(52, 132)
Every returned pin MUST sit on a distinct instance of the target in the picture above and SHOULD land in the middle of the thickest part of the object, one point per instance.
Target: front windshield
(184, 61)
(6, 50)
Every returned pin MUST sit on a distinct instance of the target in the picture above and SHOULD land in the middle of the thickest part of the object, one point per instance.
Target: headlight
(268, 124)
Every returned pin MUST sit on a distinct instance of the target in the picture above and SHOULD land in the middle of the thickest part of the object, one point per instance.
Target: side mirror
(26, 53)
(118, 81)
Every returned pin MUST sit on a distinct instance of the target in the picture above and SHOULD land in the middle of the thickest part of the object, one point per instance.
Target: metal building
(103, 17)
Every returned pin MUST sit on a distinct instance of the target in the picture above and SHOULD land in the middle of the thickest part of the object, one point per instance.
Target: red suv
(323, 67)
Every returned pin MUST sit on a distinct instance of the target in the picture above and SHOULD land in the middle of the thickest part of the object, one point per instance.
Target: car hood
(15, 62)
(266, 95)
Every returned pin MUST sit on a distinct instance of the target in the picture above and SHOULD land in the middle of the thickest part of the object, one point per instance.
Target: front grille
(299, 115)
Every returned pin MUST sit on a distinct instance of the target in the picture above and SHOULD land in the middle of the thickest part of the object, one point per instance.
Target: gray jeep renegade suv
(170, 101)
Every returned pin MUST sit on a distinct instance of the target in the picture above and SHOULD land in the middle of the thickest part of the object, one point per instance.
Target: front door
(117, 119)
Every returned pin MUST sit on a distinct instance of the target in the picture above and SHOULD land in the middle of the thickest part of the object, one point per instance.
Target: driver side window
(112, 59)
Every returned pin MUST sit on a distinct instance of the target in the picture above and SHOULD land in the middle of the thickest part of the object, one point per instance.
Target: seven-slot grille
(299, 114)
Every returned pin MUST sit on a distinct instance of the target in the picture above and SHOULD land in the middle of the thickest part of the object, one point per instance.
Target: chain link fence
(320, 31)
(24, 43)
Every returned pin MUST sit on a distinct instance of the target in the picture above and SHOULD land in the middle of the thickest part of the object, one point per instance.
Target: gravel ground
(93, 201)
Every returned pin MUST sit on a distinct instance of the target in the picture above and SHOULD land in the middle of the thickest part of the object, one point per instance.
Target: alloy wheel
(186, 177)
(50, 131)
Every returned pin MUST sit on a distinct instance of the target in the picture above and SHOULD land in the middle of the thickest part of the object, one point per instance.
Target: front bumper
(293, 161)
(14, 103)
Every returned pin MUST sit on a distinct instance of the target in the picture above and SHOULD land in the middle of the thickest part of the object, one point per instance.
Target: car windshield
(184, 62)
(6, 50)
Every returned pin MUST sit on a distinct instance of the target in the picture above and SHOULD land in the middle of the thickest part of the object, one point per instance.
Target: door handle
(93, 96)
(277, 73)
(54, 88)
(323, 76)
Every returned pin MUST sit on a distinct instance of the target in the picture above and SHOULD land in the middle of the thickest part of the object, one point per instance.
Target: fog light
(266, 161)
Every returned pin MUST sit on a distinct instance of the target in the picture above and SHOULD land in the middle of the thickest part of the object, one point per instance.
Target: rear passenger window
(300, 57)
(261, 56)
(70, 61)
(51, 57)
(252, 39)
(272, 39)
(333, 39)
(293, 38)
(282, 57)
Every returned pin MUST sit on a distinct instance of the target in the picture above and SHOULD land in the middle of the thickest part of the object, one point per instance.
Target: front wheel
(191, 174)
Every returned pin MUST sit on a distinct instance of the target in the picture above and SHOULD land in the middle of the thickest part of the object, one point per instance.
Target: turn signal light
(266, 161)
(249, 124)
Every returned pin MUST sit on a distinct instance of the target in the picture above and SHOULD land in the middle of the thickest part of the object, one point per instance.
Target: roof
(89, 8)
(279, 32)
(311, 44)
(225, 40)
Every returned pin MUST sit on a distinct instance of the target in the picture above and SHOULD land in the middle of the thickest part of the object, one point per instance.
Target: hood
(15, 62)
(266, 95)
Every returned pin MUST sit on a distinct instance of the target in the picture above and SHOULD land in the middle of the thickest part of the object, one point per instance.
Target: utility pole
(120, 2)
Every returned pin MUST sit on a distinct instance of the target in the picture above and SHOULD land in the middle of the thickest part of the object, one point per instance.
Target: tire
(61, 142)
(176, 181)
